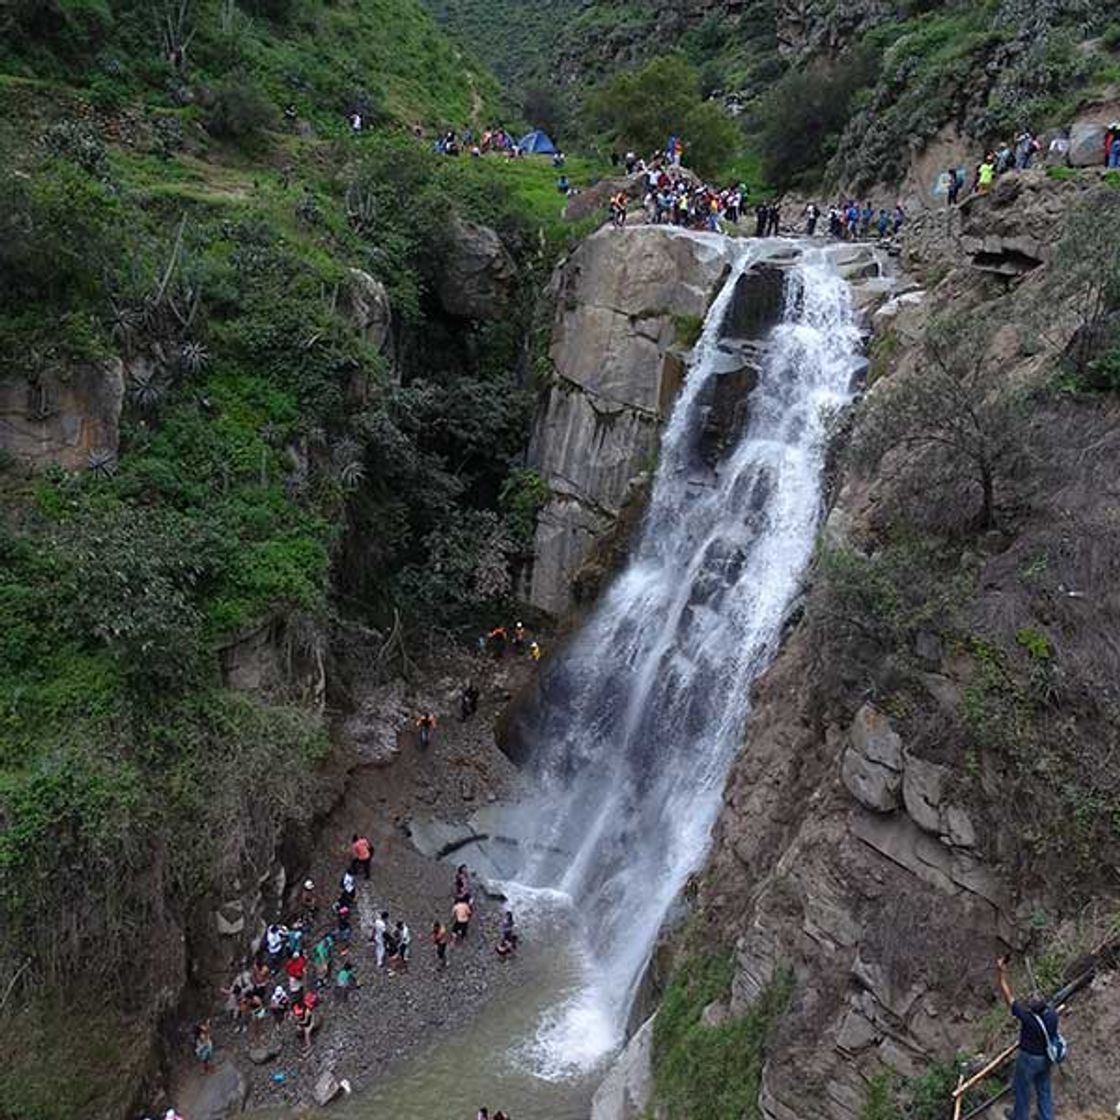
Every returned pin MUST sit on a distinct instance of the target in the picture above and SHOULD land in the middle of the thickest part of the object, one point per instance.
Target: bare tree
(950, 423)
(1085, 276)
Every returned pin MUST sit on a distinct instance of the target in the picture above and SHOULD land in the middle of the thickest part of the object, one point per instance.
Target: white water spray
(643, 713)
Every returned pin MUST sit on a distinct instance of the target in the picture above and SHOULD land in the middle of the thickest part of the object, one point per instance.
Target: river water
(643, 712)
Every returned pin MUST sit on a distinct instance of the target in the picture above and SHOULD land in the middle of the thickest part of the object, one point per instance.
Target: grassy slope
(121, 757)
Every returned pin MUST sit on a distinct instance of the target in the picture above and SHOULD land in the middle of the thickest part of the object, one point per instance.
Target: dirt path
(392, 1016)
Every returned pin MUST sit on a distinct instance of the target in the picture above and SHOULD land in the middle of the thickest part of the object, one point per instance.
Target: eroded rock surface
(622, 299)
(62, 416)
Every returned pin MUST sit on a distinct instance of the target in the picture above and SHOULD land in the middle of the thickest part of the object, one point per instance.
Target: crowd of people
(309, 960)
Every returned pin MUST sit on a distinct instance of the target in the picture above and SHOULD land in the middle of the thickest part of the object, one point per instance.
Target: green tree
(641, 110)
(803, 115)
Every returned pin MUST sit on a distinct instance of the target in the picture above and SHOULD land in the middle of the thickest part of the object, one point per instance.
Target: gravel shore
(391, 1016)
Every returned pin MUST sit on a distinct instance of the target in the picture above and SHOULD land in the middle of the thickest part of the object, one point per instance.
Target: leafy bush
(1110, 39)
(800, 120)
(240, 111)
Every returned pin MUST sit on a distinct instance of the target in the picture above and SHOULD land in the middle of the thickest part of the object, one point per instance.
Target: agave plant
(193, 356)
(352, 474)
(102, 462)
(145, 390)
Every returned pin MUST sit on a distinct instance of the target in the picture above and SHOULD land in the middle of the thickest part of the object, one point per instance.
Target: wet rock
(216, 1096)
(626, 1090)
(617, 367)
(756, 305)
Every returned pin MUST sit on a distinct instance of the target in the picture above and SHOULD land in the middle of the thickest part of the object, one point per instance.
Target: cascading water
(642, 714)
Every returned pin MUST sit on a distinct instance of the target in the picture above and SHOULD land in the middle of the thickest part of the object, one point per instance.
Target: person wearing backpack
(1041, 1047)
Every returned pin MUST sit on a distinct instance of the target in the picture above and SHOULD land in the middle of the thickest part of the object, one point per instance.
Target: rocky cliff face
(867, 841)
(63, 416)
(625, 305)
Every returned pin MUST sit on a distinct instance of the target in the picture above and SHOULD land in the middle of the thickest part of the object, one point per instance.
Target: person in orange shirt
(362, 854)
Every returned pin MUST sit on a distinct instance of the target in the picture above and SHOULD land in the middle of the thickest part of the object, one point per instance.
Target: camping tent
(537, 143)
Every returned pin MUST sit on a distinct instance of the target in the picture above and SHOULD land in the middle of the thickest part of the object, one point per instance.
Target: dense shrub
(641, 109)
(240, 111)
(800, 120)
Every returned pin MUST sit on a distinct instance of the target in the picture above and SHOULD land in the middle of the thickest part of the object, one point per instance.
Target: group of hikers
(512, 639)
(849, 221)
(307, 960)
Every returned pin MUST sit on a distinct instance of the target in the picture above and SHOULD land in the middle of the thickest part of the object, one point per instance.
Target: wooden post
(994, 1064)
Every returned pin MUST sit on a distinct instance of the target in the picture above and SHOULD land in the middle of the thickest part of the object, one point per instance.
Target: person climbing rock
(425, 725)
(308, 902)
(361, 851)
(468, 701)
(985, 173)
(956, 181)
(1038, 1031)
(440, 938)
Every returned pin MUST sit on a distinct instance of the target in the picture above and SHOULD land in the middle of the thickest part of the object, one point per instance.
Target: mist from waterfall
(643, 712)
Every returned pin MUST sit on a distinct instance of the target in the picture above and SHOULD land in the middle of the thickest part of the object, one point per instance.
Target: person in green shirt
(321, 959)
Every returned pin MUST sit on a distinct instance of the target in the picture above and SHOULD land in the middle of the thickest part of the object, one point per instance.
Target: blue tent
(537, 143)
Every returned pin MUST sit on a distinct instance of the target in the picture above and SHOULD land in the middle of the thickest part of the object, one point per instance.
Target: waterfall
(643, 713)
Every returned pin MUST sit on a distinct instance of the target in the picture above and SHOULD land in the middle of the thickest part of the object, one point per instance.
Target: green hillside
(170, 235)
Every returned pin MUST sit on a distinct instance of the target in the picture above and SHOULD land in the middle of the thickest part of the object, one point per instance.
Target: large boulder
(477, 273)
(369, 309)
(1086, 145)
(63, 416)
